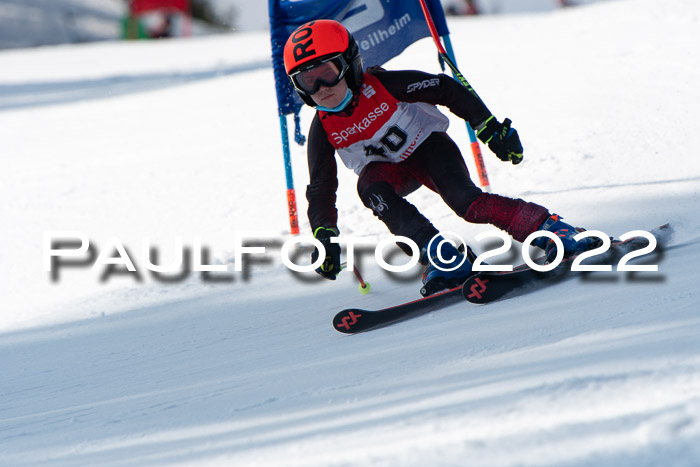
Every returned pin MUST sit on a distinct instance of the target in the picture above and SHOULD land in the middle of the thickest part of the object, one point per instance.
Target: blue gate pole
(291, 196)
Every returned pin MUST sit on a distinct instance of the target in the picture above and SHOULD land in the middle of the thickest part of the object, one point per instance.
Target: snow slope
(180, 138)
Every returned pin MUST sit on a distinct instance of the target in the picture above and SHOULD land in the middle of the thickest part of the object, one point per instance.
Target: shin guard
(517, 217)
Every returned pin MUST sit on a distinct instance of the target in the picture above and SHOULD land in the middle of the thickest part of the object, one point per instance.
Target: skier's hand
(331, 265)
(502, 140)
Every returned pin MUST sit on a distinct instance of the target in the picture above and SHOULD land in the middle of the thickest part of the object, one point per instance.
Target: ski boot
(443, 273)
(566, 234)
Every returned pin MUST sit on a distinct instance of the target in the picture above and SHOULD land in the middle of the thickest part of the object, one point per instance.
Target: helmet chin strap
(346, 100)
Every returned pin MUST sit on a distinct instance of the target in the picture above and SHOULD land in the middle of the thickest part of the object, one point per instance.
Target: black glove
(331, 266)
(502, 139)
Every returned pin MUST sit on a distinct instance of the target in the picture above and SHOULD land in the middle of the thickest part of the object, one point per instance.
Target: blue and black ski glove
(331, 265)
(502, 139)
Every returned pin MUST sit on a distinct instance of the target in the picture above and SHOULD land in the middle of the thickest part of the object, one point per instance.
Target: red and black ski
(354, 320)
(486, 287)
(482, 287)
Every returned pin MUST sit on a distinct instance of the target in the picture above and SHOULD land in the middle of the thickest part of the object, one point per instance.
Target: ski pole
(442, 52)
(446, 57)
(476, 149)
(364, 286)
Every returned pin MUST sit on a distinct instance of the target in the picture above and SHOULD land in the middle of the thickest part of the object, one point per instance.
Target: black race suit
(394, 138)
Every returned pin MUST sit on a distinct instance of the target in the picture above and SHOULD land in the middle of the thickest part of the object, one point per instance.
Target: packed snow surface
(143, 144)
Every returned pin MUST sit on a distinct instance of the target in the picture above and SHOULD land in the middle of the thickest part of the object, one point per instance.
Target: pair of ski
(485, 287)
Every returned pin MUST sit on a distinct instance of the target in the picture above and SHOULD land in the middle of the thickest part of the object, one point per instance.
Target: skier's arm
(418, 86)
(321, 195)
(323, 179)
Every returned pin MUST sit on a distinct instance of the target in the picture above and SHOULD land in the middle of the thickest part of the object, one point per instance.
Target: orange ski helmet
(318, 42)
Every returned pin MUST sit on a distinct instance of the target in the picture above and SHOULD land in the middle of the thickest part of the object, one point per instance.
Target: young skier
(384, 125)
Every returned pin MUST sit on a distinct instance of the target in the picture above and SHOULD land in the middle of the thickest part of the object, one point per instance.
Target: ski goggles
(327, 72)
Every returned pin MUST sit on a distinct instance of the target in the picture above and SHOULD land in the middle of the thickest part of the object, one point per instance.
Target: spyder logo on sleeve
(422, 85)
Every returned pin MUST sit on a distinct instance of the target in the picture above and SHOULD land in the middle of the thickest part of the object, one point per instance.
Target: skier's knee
(377, 197)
